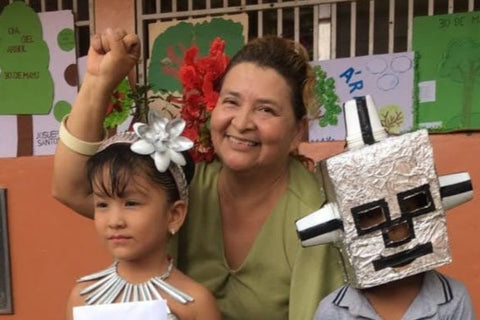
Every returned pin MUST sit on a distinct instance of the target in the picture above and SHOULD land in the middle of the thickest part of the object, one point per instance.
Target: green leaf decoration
(327, 97)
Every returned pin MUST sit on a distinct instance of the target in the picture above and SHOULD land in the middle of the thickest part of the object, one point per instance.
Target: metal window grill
(83, 16)
(327, 28)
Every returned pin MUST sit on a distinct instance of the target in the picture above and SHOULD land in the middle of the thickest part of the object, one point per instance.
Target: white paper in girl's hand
(141, 310)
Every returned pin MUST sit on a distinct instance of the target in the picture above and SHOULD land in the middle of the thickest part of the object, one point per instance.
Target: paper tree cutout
(26, 85)
(169, 47)
(461, 63)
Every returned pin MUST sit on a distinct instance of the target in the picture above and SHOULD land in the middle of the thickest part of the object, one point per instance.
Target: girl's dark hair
(289, 59)
(115, 167)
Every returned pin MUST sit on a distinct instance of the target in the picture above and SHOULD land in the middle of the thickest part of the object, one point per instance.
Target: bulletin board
(448, 79)
(388, 78)
(38, 78)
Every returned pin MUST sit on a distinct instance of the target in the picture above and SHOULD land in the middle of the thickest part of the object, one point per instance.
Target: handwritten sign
(24, 62)
(353, 84)
(38, 78)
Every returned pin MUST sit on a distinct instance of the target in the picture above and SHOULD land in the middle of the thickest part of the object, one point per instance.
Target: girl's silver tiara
(129, 137)
(162, 140)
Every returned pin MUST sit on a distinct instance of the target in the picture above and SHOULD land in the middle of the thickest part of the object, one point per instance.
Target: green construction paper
(26, 85)
(327, 97)
(448, 48)
(61, 109)
(180, 37)
(66, 39)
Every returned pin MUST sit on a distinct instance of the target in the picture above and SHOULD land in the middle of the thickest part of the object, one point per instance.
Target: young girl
(140, 198)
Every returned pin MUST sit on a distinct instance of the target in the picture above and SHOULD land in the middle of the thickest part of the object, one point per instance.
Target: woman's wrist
(77, 145)
(89, 110)
(97, 87)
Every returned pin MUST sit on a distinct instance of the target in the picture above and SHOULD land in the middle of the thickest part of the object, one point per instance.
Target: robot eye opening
(416, 201)
(371, 216)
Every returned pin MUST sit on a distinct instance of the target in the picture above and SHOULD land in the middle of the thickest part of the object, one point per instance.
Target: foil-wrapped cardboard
(387, 177)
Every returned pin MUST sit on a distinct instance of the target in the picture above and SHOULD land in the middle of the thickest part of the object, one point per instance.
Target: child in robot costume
(386, 212)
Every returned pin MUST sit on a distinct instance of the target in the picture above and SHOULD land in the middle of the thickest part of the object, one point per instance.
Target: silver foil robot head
(386, 205)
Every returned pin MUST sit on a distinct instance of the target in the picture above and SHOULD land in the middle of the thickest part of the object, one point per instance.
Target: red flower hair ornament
(198, 77)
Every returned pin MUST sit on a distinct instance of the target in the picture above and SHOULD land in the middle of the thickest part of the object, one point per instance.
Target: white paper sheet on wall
(427, 91)
(8, 136)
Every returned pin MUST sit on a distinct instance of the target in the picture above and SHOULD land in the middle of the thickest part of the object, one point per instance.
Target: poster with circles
(38, 78)
(388, 78)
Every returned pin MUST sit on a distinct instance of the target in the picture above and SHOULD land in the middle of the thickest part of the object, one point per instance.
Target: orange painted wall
(50, 245)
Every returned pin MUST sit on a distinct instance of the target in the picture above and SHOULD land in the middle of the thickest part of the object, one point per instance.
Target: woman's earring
(172, 232)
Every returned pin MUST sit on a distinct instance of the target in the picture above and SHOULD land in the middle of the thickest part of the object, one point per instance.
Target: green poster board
(448, 77)
(26, 85)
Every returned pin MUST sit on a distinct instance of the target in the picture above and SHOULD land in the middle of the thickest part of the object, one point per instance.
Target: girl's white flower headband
(162, 140)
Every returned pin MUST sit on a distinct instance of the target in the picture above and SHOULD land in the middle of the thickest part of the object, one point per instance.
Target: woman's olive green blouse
(279, 279)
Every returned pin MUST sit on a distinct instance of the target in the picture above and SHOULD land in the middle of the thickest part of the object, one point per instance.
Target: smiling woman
(253, 126)
(248, 199)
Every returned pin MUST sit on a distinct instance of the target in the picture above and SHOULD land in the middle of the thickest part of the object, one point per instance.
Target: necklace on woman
(110, 285)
